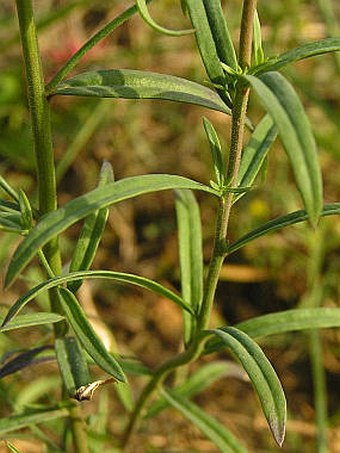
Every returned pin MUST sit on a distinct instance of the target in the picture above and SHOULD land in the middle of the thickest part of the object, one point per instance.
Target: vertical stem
(41, 124)
(236, 145)
(223, 214)
(45, 170)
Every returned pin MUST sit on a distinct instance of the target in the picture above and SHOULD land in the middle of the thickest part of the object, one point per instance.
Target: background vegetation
(150, 137)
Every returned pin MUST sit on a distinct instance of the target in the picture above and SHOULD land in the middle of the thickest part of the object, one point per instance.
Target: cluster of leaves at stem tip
(285, 117)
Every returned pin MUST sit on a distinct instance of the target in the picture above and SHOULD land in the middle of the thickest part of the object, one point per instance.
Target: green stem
(99, 36)
(223, 215)
(44, 158)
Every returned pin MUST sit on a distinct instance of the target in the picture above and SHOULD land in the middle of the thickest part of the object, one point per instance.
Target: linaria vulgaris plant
(232, 75)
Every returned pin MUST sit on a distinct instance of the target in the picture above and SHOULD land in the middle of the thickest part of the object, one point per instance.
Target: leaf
(280, 222)
(220, 436)
(26, 211)
(16, 422)
(110, 275)
(221, 36)
(257, 40)
(58, 221)
(295, 320)
(262, 375)
(134, 84)
(207, 47)
(199, 381)
(291, 320)
(256, 152)
(216, 152)
(91, 233)
(308, 50)
(88, 337)
(144, 12)
(72, 364)
(8, 189)
(23, 360)
(32, 319)
(190, 254)
(282, 103)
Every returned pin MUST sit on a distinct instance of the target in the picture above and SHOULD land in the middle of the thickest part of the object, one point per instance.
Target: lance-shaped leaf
(58, 221)
(91, 233)
(221, 36)
(190, 254)
(23, 360)
(144, 12)
(207, 47)
(216, 152)
(72, 364)
(88, 337)
(280, 222)
(134, 84)
(110, 275)
(282, 103)
(215, 431)
(291, 320)
(308, 50)
(282, 322)
(16, 422)
(255, 153)
(262, 375)
(32, 320)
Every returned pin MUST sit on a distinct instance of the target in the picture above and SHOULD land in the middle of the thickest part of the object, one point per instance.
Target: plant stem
(237, 132)
(99, 36)
(45, 170)
(223, 215)
(40, 116)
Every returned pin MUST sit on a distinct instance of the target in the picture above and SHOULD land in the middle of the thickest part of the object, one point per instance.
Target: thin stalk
(236, 144)
(313, 300)
(223, 215)
(99, 36)
(43, 149)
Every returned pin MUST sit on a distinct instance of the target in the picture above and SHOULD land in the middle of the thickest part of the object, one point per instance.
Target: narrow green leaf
(134, 84)
(255, 152)
(8, 189)
(257, 41)
(280, 222)
(26, 211)
(262, 375)
(216, 152)
(72, 364)
(207, 47)
(58, 221)
(190, 254)
(282, 103)
(295, 320)
(219, 29)
(16, 422)
(31, 320)
(144, 12)
(199, 381)
(308, 50)
(110, 275)
(215, 431)
(291, 320)
(91, 233)
(88, 337)
(23, 360)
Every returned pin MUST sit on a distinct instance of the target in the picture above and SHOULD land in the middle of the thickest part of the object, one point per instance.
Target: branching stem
(223, 215)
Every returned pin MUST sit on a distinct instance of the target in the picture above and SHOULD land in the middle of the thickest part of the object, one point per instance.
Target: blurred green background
(273, 273)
